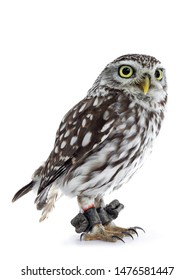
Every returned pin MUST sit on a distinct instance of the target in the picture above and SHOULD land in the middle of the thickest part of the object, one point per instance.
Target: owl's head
(142, 76)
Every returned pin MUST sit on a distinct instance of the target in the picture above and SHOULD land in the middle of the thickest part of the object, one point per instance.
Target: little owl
(101, 142)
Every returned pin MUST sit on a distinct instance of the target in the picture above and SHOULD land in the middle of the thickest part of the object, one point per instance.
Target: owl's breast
(136, 133)
(116, 159)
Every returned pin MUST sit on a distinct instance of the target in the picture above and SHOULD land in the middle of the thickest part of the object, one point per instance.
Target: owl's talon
(138, 228)
(117, 237)
(127, 233)
(81, 236)
(134, 230)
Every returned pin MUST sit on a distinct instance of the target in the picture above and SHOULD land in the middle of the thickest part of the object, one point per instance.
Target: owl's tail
(23, 191)
(45, 201)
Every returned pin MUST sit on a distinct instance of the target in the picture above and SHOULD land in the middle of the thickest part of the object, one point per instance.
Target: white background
(50, 54)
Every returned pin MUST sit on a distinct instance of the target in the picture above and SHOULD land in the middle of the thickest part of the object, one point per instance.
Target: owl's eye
(159, 74)
(125, 71)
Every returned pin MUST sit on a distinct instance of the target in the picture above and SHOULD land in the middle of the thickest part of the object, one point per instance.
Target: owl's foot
(109, 233)
(98, 232)
(123, 231)
(96, 224)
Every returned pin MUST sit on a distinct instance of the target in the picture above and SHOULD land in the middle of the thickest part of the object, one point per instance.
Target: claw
(140, 229)
(134, 230)
(127, 233)
(81, 236)
(117, 237)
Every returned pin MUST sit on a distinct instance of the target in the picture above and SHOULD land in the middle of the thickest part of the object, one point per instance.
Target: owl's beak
(145, 84)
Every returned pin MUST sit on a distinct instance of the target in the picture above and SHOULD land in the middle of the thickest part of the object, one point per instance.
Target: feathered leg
(95, 220)
(89, 221)
(96, 230)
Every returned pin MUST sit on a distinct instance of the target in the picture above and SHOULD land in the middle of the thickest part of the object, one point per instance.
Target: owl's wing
(83, 128)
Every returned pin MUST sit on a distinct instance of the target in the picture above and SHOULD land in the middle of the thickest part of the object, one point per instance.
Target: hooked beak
(145, 84)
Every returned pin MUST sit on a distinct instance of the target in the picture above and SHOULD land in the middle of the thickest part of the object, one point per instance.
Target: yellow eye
(125, 71)
(159, 74)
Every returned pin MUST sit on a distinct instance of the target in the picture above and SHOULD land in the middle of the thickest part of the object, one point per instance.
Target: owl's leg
(90, 224)
(108, 213)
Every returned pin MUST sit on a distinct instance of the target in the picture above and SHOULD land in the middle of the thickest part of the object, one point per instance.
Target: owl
(101, 142)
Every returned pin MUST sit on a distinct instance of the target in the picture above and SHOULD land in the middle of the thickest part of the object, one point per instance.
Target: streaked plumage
(103, 139)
